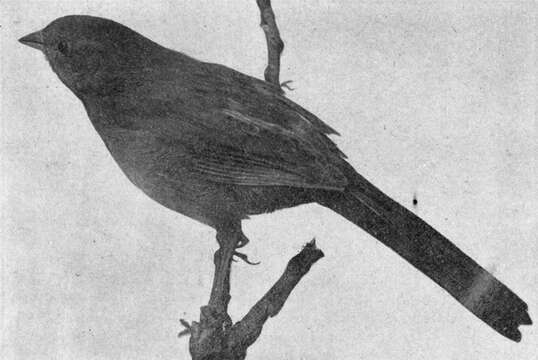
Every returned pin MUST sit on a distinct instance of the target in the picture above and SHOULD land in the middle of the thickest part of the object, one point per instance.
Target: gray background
(433, 99)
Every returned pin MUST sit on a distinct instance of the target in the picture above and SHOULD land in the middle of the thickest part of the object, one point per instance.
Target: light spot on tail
(478, 296)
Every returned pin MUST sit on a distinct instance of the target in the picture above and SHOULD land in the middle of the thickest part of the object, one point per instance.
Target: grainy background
(433, 99)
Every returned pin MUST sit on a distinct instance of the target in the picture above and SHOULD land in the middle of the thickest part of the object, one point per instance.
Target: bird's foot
(286, 84)
(187, 330)
(244, 257)
(243, 241)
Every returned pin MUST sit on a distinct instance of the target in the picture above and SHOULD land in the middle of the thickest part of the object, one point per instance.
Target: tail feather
(431, 253)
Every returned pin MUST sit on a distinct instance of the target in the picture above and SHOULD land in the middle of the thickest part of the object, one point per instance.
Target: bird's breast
(148, 163)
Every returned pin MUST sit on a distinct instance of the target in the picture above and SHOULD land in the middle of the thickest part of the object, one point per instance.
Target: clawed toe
(243, 241)
(187, 330)
(244, 257)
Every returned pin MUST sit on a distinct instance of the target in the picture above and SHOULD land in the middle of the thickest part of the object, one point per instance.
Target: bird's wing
(235, 129)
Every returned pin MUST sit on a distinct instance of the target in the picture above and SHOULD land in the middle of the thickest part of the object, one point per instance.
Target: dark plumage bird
(217, 145)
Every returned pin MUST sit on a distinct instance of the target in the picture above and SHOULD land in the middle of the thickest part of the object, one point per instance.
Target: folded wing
(235, 129)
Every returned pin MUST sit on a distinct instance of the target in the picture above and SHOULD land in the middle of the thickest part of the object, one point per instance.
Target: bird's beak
(34, 40)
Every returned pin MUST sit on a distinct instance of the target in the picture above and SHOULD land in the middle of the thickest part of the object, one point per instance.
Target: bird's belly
(142, 159)
(148, 164)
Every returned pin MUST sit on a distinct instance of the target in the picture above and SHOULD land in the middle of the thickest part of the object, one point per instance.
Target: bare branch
(275, 45)
(209, 336)
(214, 337)
(245, 332)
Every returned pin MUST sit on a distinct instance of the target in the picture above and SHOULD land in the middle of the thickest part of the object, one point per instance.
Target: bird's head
(91, 54)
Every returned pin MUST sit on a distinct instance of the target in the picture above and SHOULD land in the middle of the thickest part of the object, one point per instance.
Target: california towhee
(217, 145)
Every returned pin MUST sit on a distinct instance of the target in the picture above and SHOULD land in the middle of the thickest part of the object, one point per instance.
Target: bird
(218, 146)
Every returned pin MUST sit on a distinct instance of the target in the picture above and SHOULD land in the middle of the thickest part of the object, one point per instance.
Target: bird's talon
(242, 243)
(244, 257)
(286, 85)
(187, 330)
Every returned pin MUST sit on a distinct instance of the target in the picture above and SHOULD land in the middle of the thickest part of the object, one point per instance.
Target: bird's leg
(228, 239)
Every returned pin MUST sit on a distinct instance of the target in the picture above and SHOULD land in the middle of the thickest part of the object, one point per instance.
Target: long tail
(431, 253)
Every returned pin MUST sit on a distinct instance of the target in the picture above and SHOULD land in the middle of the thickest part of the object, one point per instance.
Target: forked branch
(246, 331)
(214, 337)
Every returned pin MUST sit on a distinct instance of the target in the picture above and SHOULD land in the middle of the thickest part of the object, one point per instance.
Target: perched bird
(217, 145)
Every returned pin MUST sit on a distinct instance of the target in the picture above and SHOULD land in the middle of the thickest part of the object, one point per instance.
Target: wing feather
(235, 129)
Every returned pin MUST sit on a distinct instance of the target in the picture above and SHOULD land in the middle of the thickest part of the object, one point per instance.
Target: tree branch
(275, 45)
(209, 336)
(214, 337)
(220, 292)
(245, 332)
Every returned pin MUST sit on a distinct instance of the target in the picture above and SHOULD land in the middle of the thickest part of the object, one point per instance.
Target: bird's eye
(62, 47)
